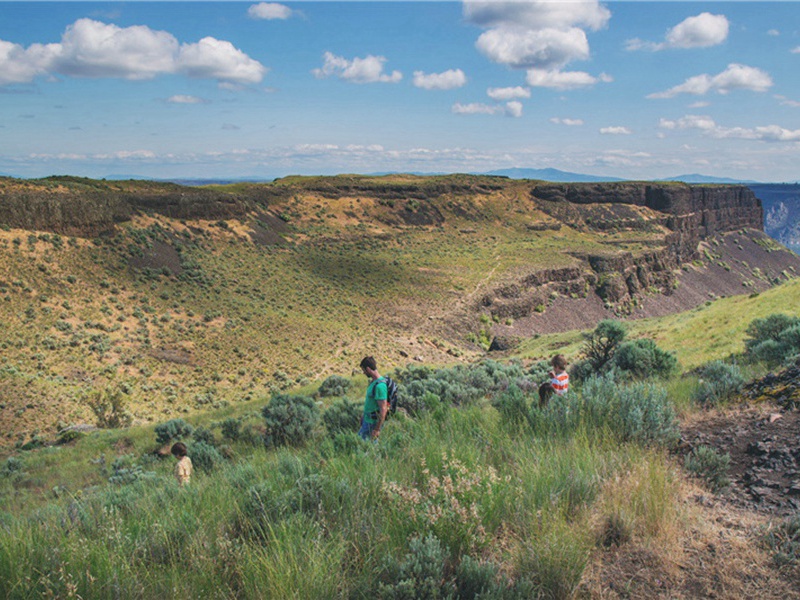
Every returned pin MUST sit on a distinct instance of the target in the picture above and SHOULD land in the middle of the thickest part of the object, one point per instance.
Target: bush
(69, 435)
(784, 541)
(110, 408)
(231, 429)
(643, 358)
(290, 420)
(773, 339)
(174, 429)
(205, 457)
(711, 466)
(335, 385)
(342, 416)
(601, 344)
(13, 466)
(421, 573)
(719, 381)
(201, 434)
(125, 470)
(638, 412)
(512, 405)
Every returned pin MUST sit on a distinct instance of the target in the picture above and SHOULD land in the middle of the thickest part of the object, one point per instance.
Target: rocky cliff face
(687, 214)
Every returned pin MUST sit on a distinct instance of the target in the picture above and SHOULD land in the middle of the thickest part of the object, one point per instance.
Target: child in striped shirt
(558, 383)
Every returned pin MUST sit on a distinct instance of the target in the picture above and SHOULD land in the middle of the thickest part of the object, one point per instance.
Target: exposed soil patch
(161, 255)
(764, 446)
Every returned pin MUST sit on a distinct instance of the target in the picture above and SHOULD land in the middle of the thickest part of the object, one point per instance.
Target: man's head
(559, 362)
(178, 450)
(369, 366)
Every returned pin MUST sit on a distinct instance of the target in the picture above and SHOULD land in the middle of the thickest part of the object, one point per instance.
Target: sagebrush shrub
(231, 429)
(342, 416)
(174, 429)
(335, 385)
(719, 381)
(205, 457)
(289, 420)
(512, 406)
(420, 574)
(773, 339)
(784, 541)
(110, 408)
(709, 465)
(643, 358)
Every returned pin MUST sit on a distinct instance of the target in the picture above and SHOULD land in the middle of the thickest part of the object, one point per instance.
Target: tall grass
(334, 520)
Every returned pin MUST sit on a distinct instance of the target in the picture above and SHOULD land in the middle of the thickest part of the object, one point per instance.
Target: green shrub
(205, 457)
(719, 381)
(784, 541)
(342, 416)
(12, 467)
(231, 429)
(420, 574)
(289, 420)
(126, 470)
(110, 408)
(643, 358)
(69, 435)
(201, 434)
(711, 466)
(601, 344)
(773, 339)
(335, 385)
(512, 405)
(639, 412)
(174, 429)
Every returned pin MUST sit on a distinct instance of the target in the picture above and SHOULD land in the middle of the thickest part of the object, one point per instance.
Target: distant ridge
(698, 178)
(554, 175)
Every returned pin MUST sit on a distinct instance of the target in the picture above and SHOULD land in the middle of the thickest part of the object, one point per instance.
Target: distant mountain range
(550, 174)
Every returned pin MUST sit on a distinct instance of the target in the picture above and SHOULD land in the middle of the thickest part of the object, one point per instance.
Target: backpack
(391, 394)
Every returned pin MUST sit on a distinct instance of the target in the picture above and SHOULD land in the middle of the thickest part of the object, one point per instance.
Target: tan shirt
(183, 470)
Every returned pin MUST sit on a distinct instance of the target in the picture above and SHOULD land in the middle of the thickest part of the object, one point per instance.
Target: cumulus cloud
(567, 122)
(359, 70)
(766, 133)
(537, 34)
(184, 99)
(619, 130)
(449, 80)
(701, 31)
(90, 48)
(508, 93)
(735, 77)
(509, 109)
(269, 11)
(563, 80)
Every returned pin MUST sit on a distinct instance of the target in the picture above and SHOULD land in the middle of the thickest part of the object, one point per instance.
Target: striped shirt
(560, 383)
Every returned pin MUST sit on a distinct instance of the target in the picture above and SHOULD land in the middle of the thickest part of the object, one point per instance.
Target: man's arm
(383, 409)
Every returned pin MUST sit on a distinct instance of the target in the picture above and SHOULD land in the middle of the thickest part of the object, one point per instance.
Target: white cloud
(774, 32)
(615, 130)
(766, 133)
(795, 50)
(567, 122)
(514, 109)
(449, 80)
(359, 70)
(211, 58)
(701, 31)
(700, 104)
(510, 109)
(536, 34)
(508, 93)
(535, 48)
(562, 80)
(735, 77)
(184, 99)
(269, 11)
(787, 101)
(94, 49)
(536, 14)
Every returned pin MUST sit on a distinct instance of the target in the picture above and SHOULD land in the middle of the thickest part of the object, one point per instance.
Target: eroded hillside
(187, 298)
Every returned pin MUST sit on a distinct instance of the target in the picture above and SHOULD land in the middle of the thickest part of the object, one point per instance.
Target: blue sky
(235, 89)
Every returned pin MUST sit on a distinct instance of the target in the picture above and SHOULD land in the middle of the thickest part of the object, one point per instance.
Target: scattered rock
(774, 417)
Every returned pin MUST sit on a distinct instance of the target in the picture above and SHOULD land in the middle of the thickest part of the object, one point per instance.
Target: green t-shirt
(376, 391)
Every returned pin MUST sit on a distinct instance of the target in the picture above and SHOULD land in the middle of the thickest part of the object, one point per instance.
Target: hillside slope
(187, 298)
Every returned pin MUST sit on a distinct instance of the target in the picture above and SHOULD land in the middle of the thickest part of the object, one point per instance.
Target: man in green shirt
(376, 403)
